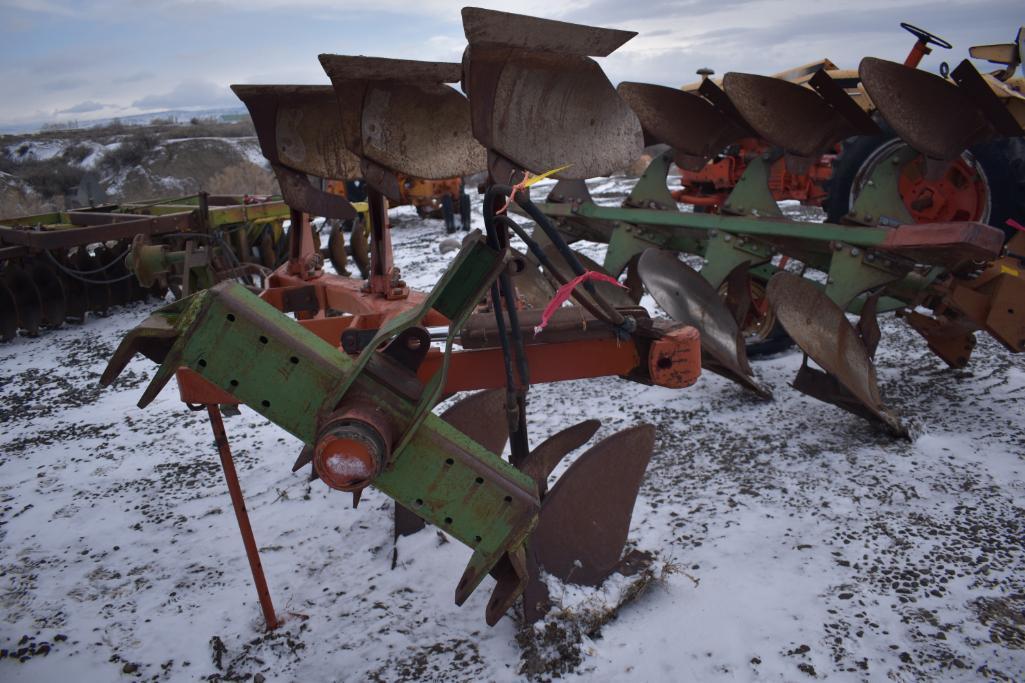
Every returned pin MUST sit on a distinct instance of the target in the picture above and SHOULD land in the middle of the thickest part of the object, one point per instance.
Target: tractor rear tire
(1001, 161)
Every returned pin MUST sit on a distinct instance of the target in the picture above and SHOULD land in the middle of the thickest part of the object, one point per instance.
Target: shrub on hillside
(76, 153)
(50, 177)
(131, 152)
(243, 178)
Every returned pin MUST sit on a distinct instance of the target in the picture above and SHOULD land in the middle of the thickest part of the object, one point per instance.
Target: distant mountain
(182, 115)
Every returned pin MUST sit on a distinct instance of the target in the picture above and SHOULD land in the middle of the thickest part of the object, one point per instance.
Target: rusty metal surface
(421, 130)
(837, 97)
(357, 68)
(786, 114)
(972, 83)
(481, 416)
(97, 229)
(532, 288)
(521, 31)
(52, 300)
(946, 244)
(688, 298)
(299, 126)
(399, 114)
(300, 195)
(926, 111)
(952, 341)
(823, 332)
(238, 503)
(585, 518)
(27, 304)
(619, 297)
(542, 459)
(545, 110)
(688, 123)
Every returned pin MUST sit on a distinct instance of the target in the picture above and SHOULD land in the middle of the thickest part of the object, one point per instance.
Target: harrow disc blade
(97, 293)
(786, 114)
(115, 271)
(823, 332)
(688, 298)
(585, 518)
(53, 304)
(688, 123)
(543, 459)
(27, 303)
(543, 111)
(926, 111)
(75, 296)
(8, 314)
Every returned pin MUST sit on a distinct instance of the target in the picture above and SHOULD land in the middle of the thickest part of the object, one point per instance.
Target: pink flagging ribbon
(1015, 224)
(566, 291)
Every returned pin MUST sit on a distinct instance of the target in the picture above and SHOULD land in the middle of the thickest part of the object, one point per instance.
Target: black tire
(760, 344)
(777, 341)
(1002, 161)
(465, 212)
(448, 214)
(853, 153)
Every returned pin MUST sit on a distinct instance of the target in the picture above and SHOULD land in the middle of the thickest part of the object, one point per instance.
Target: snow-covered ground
(798, 541)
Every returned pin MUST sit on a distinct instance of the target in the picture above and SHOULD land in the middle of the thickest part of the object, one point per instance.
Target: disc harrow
(60, 267)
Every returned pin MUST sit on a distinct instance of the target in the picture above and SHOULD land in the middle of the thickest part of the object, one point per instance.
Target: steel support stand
(239, 503)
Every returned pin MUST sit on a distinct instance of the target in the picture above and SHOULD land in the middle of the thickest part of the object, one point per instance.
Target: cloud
(189, 94)
(133, 78)
(83, 107)
(60, 84)
(64, 9)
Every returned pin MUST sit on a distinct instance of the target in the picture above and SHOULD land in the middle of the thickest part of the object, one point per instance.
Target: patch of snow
(808, 544)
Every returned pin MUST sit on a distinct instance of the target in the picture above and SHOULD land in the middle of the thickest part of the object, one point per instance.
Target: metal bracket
(879, 201)
(725, 251)
(853, 270)
(752, 196)
(628, 241)
(651, 190)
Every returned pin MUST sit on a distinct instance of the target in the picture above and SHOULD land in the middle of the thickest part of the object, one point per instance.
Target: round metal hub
(960, 193)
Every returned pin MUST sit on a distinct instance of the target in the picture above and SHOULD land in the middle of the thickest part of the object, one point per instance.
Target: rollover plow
(877, 260)
(358, 369)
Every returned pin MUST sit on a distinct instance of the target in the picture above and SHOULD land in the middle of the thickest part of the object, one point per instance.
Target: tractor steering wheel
(925, 36)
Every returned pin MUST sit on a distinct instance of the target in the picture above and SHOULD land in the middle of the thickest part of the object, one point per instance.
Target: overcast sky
(62, 59)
